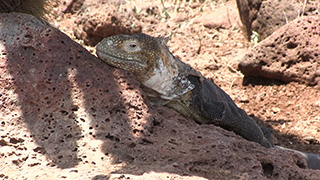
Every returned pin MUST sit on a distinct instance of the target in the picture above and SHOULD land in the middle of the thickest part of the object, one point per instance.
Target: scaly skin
(168, 81)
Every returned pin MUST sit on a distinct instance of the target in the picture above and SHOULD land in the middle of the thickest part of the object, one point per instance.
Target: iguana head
(149, 59)
(137, 53)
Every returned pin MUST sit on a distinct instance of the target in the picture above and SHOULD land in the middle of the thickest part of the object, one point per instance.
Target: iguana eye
(131, 46)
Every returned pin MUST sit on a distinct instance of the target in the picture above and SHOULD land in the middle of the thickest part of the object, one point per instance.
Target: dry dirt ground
(291, 111)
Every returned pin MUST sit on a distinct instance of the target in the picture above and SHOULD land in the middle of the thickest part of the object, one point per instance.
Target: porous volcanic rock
(99, 19)
(66, 115)
(292, 53)
(267, 16)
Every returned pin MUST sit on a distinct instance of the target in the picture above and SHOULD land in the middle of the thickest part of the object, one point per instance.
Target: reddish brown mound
(99, 20)
(289, 54)
(267, 16)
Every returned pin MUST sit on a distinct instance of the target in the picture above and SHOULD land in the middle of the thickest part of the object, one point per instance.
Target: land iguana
(168, 81)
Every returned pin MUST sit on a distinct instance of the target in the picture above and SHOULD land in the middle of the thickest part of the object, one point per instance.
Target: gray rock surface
(292, 53)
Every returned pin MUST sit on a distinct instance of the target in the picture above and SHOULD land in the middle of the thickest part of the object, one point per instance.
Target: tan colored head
(137, 53)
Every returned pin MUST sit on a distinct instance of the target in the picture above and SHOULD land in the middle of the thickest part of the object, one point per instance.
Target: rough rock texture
(265, 17)
(95, 22)
(292, 53)
(66, 115)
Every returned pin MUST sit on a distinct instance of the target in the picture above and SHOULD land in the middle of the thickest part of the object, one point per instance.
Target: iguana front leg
(227, 116)
(220, 114)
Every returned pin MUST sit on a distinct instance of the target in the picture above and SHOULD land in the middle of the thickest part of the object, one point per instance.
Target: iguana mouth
(116, 60)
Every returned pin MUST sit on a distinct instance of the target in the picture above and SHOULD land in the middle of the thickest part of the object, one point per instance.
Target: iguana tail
(313, 160)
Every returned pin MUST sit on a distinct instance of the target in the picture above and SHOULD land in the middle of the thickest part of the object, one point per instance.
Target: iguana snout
(121, 54)
(137, 55)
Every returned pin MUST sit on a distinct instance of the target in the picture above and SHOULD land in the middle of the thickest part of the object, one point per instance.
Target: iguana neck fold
(169, 84)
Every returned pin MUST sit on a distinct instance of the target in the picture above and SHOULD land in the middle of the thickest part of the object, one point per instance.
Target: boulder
(267, 16)
(99, 19)
(291, 53)
(223, 17)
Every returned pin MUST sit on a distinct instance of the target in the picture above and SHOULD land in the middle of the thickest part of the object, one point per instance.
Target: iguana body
(168, 81)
